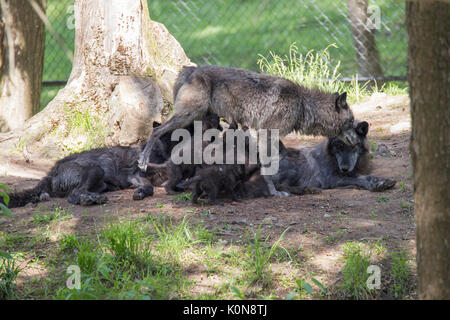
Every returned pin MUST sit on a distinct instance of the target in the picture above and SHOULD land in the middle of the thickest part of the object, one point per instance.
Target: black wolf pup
(329, 165)
(256, 100)
(176, 173)
(214, 180)
(82, 177)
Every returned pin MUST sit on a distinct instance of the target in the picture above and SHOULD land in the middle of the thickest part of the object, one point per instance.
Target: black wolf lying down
(82, 177)
(329, 165)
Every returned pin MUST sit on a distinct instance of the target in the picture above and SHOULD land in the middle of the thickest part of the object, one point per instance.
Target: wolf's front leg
(272, 190)
(370, 183)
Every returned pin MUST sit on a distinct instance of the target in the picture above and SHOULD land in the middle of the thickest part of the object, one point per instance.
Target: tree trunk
(22, 41)
(367, 55)
(124, 69)
(428, 26)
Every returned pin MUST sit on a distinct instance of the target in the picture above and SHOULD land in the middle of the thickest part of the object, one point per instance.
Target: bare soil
(318, 225)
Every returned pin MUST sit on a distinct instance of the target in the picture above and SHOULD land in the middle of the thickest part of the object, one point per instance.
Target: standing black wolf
(256, 100)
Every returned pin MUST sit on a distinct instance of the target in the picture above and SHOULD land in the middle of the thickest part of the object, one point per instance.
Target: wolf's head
(331, 116)
(354, 156)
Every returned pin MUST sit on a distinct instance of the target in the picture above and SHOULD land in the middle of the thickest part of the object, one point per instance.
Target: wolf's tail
(182, 78)
(34, 195)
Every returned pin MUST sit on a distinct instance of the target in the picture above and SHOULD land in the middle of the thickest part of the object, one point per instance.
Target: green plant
(86, 257)
(183, 197)
(356, 262)
(68, 242)
(4, 211)
(259, 254)
(45, 217)
(403, 186)
(383, 199)
(125, 241)
(8, 274)
(308, 70)
(314, 70)
(400, 272)
(173, 238)
(4, 201)
(238, 292)
(303, 286)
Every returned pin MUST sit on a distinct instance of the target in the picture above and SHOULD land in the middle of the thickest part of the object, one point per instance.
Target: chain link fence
(235, 32)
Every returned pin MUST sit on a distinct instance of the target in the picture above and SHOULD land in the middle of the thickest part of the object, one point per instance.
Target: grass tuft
(315, 70)
(400, 273)
(356, 262)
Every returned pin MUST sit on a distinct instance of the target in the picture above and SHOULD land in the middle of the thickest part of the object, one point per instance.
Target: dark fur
(214, 179)
(178, 172)
(82, 177)
(254, 100)
(329, 165)
(227, 180)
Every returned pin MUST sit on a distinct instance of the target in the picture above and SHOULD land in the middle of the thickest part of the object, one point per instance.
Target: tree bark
(367, 55)
(22, 41)
(124, 69)
(428, 24)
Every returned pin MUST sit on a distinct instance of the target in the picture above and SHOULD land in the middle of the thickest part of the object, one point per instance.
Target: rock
(382, 150)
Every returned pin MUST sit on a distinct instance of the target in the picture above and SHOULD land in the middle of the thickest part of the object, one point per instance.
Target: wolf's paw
(382, 184)
(88, 199)
(142, 192)
(44, 196)
(281, 194)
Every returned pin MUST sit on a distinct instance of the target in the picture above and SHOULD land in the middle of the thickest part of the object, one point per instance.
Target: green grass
(258, 256)
(8, 274)
(68, 242)
(307, 70)
(4, 201)
(356, 262)
(43, 215)
(124, 263)
(183, 197)
(233, 33)
(160, 257)
(400, 273)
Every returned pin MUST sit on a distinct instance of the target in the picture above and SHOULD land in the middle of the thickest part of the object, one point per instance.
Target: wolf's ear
(362, 128)
(341, 102)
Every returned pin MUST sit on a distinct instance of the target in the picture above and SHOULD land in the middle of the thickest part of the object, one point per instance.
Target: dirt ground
(318, 225)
